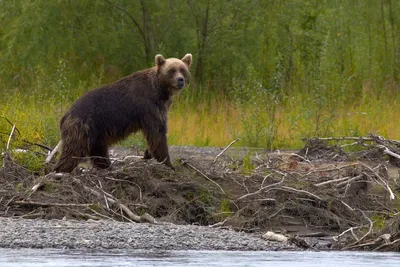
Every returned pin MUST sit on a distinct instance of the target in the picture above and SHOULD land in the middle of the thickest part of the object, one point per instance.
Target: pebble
(40, 233)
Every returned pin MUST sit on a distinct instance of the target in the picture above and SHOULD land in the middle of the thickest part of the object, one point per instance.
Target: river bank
(72, 234)
(321, 197)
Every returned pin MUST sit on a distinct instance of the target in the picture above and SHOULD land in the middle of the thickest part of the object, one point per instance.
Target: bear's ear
(187, 59)
(160, 60)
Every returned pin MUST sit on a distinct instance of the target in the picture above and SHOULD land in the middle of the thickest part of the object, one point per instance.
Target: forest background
(269, 72)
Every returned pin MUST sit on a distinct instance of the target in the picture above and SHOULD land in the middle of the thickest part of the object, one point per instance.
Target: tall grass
(263, 120)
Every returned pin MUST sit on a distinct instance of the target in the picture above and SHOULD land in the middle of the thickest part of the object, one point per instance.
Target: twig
(131, 215)
(347, 205)
(226, 148)
(184, 162)
(43, 204)
(12, 124)
(387, 151)
(303, 158)
(276, 213)
(349, 180)
(105, 198)
(344, 138)
(384, 184)
(331, 181)
(130, 16)
(127, 181)
(218, 224)
(356, 243)
(101, 215)
(36, 144)
(300, 191)
(53, 152)
(122, 215)
(387, 244)
(261, 189)
(337, 168)
(9, 138)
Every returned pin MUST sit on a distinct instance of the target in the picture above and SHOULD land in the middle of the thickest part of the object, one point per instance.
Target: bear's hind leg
(147, 154)
(99, 156)
(69, 159)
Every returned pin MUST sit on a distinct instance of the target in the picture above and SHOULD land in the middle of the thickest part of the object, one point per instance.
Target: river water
(142, 258)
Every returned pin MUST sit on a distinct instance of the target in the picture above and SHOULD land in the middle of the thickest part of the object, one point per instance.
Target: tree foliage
(320, 48)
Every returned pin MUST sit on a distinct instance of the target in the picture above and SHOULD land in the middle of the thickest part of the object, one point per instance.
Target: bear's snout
(181, 82)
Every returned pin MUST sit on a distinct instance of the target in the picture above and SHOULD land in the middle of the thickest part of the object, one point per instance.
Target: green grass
(218, 121)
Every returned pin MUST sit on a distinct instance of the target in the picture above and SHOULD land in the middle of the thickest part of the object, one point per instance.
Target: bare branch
(205, 176)
(53, 152)
(226, 148)
(9, 138)
(130, 16)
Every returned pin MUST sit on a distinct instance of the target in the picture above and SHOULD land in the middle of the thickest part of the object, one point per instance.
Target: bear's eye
(182, 70)
(171, 71)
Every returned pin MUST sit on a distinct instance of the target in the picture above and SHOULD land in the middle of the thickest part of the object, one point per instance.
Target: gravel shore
(38, 233)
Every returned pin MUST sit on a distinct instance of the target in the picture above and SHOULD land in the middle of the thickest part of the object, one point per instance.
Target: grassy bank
(216, 120)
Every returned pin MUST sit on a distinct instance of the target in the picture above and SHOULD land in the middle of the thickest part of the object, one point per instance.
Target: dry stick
(349, 180)
(23, 140)
(299, 191)
(384, 184)
(101, 215)
(200, 172)
(353, 234)
(337, 168)
(387, 244)
(261, 189)
(387, 151)
(6, 154)
(276, 213)
(344, 138)
(12, 124)
(347, 205)
(131, 215)
(303, 158)
(262, 183)
(53, 152)
(123, 216)
(380, 140)
(361, 245)
(348, 230)
(331, 181)
(105, 198)
(9, 138)
(356, 243)
(225, 149)
(43, 204)
(218, 224)
(127, 181)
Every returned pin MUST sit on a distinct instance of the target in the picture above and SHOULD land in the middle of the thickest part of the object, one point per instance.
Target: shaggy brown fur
(109, 114)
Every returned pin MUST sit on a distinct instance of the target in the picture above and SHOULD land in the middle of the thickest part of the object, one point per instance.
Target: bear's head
(174, 72)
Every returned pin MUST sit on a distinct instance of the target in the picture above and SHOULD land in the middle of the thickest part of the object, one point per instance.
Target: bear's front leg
(158, 148)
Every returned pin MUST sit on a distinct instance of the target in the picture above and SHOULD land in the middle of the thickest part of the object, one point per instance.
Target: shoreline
(105, 234)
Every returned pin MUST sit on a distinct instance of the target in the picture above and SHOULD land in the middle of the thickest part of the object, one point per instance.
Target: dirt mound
(302, 194)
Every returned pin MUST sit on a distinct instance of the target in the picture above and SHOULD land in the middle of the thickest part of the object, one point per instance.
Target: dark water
(77, 258)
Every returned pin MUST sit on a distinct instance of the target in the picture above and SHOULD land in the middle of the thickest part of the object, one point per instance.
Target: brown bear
(108, 114)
